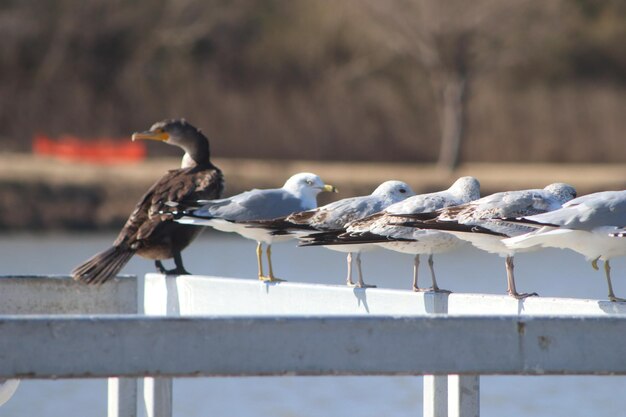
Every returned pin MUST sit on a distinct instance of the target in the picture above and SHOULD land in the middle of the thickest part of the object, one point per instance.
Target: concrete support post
(463, 396)
(435, 396)
(122, 397)
(157, 395)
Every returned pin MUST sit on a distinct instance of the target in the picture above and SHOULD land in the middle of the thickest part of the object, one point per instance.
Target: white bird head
(394, 191)
(307, 186)
(466, 188)
(562, 192)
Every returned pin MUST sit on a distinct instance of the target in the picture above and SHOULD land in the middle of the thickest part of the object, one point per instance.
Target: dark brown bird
(147, 232)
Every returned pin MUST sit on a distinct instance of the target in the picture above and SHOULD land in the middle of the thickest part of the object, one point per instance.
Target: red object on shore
(100, 151)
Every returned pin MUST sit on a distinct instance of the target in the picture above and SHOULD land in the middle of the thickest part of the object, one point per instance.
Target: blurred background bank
(418, 90)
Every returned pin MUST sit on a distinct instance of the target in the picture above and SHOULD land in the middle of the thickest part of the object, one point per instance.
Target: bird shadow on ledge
(361, 295)
(611, 307)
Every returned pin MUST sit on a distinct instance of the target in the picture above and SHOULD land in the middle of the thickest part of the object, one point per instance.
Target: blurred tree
(451, 41)
(513, 81)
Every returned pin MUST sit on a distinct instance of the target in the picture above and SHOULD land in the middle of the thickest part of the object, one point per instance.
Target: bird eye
(309, 182)
(402, 190)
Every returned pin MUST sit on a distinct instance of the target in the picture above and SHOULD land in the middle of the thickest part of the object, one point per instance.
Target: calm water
(551, 273)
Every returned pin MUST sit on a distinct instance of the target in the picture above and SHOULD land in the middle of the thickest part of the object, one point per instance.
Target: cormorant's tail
(103, 266)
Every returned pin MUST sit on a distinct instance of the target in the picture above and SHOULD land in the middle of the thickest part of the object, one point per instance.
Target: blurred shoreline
(39, 193)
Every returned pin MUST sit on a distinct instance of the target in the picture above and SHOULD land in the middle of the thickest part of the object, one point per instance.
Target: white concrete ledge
(203, 295)
(59, 294)
(78, 347)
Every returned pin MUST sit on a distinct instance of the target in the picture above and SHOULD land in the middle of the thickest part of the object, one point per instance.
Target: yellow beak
(330, 188)
(162, 137)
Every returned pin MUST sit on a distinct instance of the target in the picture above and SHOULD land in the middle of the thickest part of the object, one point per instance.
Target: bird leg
(511, 281)
(159, 267)
(178, 262)
(435, 287)
(361, 283)
(270, 277)
(349, 281)
(431, 265)
(259, 259)
(268, 251)
(179, 269)
(607, 272)
(416, 265)
(594, 264)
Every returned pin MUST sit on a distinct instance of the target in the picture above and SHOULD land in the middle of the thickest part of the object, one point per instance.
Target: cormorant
(148, 232)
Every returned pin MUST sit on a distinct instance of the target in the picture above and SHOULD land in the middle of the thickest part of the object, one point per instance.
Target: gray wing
(504, 205)
(424, 203)
(489, 214)
(606, 208)
(253, 205)
(364, 224)
(337, 214)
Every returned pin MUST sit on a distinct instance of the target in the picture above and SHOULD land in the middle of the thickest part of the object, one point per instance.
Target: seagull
(593, 225)
(485, 222)
(379, 228)
(335, 216)
(230, 214)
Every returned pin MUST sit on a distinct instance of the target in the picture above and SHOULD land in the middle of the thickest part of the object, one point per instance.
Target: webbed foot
(266, 278)
(523, 295)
